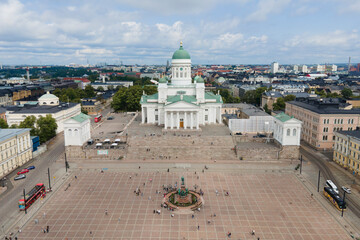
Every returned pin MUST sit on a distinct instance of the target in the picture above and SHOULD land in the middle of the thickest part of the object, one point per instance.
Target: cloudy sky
(149, 31)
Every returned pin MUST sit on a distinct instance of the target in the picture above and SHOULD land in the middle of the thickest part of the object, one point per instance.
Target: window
(333, 138)
(288, 132)
(341, 121)
(325, 138)
(156, 117)
(326, 129)
(294, 132)
(206, 117)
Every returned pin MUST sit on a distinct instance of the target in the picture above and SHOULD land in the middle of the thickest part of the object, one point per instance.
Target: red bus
(38, 191)
(98, 118)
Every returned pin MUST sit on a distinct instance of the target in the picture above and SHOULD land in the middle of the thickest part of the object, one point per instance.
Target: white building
(274, 67)
(250, 119)
(15, 149)
(304, 69)
(181, 104)
(48, 104)
(295, 68)
(320, 68)
(287, 130)
(77, 130)
(333, 68)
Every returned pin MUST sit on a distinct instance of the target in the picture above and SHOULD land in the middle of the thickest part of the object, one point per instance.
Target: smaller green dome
(199, 79)
(181, 53)
(196, 77)
(163, 80)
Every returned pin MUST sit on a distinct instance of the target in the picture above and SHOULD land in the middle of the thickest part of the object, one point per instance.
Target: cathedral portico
(181, 119)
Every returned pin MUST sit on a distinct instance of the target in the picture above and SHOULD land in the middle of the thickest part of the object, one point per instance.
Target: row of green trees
(44, 127)
(128, 99)
(74, 95)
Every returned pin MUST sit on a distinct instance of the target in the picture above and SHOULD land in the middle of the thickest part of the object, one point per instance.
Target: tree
(346, 93)
(89, 91)
(111, 87)
(128, 99)
(14, 126)
(279, 105)
(29, 122)
(266, 109)
(46, 128)
(100, 89)
(289, 98)
(3, 123)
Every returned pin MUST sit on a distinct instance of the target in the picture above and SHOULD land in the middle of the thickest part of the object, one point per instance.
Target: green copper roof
(163, 80)
(144, 98)
(211, 95)
(196, 77)
(81, 117)
(186, 98)
(199, 80)
(283, 117)
(181, 53)
(47, 96)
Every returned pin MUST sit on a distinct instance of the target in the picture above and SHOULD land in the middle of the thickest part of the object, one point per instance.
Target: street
(9, 210)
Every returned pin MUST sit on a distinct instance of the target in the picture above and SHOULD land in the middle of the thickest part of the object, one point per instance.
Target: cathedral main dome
(181, 53)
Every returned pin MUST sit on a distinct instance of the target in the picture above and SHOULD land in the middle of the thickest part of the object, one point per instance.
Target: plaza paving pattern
(275, 205)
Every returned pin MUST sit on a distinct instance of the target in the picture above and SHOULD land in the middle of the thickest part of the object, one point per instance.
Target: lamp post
(25, 202)
(348, 191)
(318, 182)
(301, 160)
(49, 179)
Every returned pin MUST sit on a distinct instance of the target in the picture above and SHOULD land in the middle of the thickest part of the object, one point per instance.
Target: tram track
(352, 204)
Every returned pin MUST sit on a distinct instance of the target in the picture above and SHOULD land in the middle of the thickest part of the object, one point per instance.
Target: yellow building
(15, 149)
(347, 150)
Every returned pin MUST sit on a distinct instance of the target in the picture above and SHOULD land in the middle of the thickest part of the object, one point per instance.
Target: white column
(197, 120)
(191, 120)
(165, 120)
(185, 120)
(142, 115)
(178, 120)
(172, 120)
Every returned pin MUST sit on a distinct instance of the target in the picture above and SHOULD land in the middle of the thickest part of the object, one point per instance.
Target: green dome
(196, 77)
(163, 80)
(199, 79)
(181, 53)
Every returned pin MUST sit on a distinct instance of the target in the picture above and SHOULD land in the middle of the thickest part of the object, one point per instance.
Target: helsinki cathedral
(181, 103)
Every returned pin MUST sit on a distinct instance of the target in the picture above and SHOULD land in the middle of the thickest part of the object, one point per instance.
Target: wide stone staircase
(183, 148)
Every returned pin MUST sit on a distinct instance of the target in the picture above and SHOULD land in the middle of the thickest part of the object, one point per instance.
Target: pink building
(321, 118)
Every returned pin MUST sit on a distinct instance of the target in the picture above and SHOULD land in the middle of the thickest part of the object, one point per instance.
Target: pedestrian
(90, 232)
(47, 229)
(44, 230)
(75, 177)
(214, 215)
(168, 170)
(44, 214)
(119, 219)
(198, 227)
(252, 232)
(106, 212)
(36, 221)
(139, 167)
(192, 216)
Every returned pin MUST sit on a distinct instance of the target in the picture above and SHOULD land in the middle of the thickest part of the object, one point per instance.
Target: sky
(44, 32)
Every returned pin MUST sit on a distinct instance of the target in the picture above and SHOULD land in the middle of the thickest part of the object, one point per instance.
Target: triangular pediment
(181, 104)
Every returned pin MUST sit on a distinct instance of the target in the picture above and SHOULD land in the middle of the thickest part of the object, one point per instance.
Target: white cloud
(267, 7)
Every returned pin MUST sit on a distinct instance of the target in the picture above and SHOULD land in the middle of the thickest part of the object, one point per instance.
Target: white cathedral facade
(181, 103)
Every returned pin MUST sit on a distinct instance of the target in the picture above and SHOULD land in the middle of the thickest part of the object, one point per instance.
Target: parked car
(23, 171)
(110, 118)
(30, 168)
(22, 176)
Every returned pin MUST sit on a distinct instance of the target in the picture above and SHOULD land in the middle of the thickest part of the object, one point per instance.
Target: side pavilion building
(179, 102)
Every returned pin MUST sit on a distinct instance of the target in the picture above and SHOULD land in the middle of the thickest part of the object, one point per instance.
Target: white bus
(332, 185)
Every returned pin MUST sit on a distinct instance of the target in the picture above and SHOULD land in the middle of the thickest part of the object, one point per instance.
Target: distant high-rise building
(333, 68)
(320, 68)
(304, 69)
(274, 67)
(295, 68)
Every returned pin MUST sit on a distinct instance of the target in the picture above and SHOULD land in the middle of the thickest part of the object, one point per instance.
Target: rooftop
(9, 133)
(283, 117)
(44, 109)
(81, 117)
(325, 106)
(355, 133)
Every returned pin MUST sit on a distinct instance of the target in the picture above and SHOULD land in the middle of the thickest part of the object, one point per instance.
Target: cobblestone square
(104, 206)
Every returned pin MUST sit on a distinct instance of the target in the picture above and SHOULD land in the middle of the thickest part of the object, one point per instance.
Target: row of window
(338, 121)
(349, 162)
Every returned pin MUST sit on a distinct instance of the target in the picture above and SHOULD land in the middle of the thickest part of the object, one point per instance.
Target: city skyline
(215, 32)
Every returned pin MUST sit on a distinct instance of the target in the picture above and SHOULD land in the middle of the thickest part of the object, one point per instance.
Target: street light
(348, 191)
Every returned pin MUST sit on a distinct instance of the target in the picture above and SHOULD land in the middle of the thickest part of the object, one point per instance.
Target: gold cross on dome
(180, 43)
